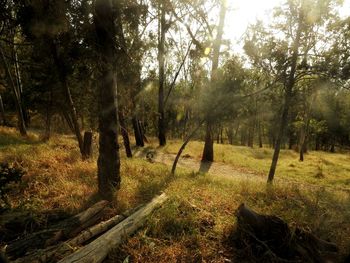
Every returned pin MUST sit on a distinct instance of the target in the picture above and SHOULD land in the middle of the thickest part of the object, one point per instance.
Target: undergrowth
(193, 224)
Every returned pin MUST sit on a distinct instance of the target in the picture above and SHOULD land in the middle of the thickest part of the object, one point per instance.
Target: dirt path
(222, 169)
(191, 164)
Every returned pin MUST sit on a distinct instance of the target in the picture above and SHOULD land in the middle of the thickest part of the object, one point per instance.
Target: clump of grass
(319, 174)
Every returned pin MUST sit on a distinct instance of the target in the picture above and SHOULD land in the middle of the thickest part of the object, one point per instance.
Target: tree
(161, 63)
(208, 151)
(108, 161)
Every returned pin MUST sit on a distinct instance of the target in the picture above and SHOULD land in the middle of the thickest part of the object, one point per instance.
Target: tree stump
(267, 238)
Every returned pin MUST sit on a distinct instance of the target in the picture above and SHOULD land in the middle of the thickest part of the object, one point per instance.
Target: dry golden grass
(319, 168)
(192, 225)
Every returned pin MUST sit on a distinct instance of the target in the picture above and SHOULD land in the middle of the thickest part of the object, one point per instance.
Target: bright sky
(244, 12)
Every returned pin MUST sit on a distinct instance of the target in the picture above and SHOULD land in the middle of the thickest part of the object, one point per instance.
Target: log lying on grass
(97, 250)
(269, 239)
(59, 251)
(65, 229)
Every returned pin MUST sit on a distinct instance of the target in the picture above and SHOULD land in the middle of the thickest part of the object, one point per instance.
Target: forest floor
(194, 224)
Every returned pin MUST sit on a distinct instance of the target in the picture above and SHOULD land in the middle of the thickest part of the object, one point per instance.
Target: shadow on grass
(147, 189)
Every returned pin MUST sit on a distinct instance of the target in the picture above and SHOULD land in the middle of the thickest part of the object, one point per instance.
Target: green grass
(194, 222)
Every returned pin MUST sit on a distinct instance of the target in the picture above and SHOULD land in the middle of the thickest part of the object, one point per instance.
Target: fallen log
(65, 248)
(97, 250)
(63, 230)
(269, 239)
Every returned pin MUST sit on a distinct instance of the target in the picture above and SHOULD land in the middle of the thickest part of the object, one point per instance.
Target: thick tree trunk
(161, 62)
(62, 74)
(2, 112)
(287, 102)
(125, 134)
(18, 104)
(208, 153)
(108, 164)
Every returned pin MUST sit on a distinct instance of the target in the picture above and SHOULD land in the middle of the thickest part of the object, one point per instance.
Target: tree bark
(108, 164)
(208, 152)
(137, 132)
(260, 134)
(20, 89)
(48, 117)
(287, 102)
(125, 134)
(2, 112)
(87, 146)
(161, 62)
(98, 250)
(18, 104)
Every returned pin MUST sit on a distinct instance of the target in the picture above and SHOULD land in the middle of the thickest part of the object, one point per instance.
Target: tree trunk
(125, 134)
(48, 117)
(68, 120)
(108, 164)
(287, 101)
(20, 89)
(2, 112)
(243, 137)
(317, 143)
(208, 152)
(260, 134)
(18, 104)
(161, 62)
(137, 132)
(229, 133)
(62, 74)
(87, 146)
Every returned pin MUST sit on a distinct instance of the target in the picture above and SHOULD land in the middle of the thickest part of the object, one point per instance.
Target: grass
(319, 168)
(194, 223)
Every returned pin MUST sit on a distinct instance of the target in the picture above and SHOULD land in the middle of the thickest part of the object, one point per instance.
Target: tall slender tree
(208, 151)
